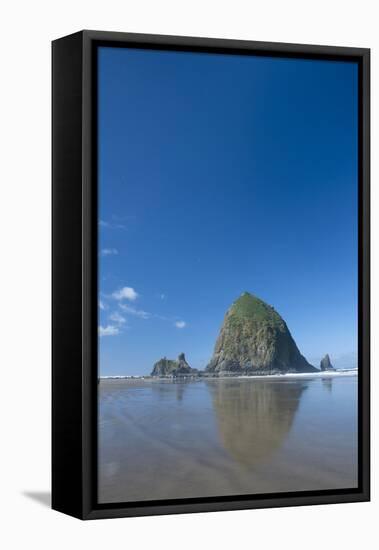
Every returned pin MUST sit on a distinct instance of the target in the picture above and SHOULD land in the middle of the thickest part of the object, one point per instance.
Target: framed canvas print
(210, 274)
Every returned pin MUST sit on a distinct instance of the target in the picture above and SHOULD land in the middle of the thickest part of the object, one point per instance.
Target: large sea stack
(254, 339)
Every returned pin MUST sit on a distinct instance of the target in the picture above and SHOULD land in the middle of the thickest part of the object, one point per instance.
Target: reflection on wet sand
(175, 439)
(327, 383)
(254, 416)
(164, 388)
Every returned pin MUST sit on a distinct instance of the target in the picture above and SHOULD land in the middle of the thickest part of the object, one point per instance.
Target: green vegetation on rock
(249, 306)
(255, 339)
(170, 367)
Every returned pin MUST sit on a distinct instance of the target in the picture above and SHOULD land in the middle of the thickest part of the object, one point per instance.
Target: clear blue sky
(220, 174)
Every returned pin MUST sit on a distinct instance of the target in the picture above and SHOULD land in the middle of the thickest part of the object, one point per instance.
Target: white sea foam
(319, 374)
(121, 377)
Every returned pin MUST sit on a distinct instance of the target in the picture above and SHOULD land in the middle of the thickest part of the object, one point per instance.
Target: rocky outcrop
(171, 367)
(254, 339)
(325, 364)
(164, 367)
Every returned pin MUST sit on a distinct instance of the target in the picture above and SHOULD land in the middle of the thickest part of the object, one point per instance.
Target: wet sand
(167, 440)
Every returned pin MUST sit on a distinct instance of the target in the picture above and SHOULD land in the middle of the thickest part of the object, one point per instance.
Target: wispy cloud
(117, 318)
(109, 252)
(101, 304)
(111, 225)
(125, 293)
(109, 330)
(129, 294)
(136, 312)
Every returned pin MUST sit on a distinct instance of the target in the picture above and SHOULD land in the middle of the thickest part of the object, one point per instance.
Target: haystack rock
(170, 367)
(325, 364)
(254, 339)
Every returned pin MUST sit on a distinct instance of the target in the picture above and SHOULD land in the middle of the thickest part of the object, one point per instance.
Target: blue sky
(220, 174)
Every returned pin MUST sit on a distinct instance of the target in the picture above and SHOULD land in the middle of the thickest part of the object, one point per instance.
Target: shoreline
(320, 374)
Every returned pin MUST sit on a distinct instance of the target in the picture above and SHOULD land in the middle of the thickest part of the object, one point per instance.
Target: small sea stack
(173, 368)
(325, 364)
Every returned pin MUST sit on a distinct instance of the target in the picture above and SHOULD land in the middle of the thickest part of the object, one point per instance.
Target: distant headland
(254, 340)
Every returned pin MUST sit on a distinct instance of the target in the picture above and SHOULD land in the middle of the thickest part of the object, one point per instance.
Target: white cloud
(109, 330)
(180, 324)
(101, 305)
(125, 293)
(137, 312)
(109, 252)
(111, 225)
(117, 318)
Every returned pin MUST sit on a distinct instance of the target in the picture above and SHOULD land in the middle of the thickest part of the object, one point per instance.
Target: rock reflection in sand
(327, 383)
(254, 416)
(168, 387)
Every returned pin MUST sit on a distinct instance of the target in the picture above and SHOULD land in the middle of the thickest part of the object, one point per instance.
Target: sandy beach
(167, 439)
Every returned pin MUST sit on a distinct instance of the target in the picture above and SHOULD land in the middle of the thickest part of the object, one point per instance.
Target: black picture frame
(74, 273)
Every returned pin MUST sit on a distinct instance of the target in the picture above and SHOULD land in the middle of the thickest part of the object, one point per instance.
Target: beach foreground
(162, 439)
